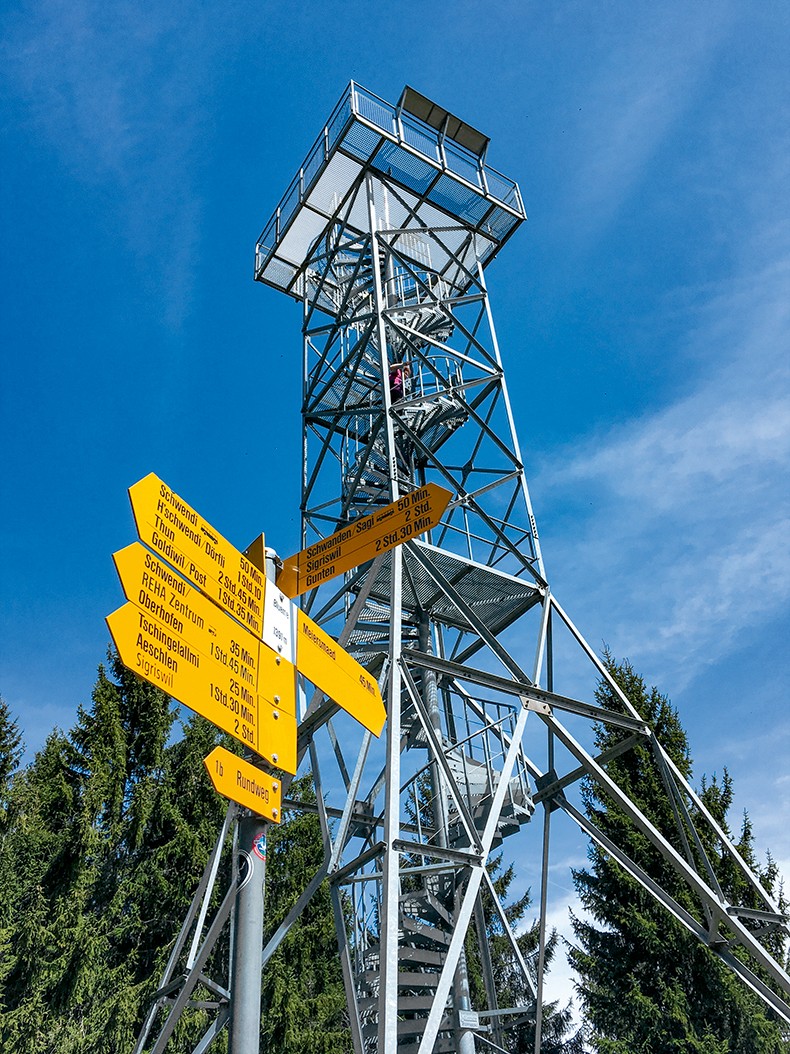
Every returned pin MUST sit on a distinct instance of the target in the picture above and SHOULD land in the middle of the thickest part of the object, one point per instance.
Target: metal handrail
(359, 102)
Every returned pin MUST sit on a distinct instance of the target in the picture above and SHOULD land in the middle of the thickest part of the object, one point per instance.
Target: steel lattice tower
(384, 237)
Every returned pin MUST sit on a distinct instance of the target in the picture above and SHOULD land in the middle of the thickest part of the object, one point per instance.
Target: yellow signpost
(321, 660)
(156, 589)
(153, 585)
(244, 783)
(227, 650)
(363, 539)
(200, 624)
(277, 739)
(191, 545)
(162, 656)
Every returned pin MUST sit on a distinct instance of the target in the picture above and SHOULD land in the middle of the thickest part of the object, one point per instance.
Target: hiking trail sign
(202, 623)
(363, 539)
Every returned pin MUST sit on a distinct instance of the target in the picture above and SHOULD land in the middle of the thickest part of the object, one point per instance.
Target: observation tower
(385, 236)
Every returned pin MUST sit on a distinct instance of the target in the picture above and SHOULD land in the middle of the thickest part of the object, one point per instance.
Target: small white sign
(468, 1019)
(279, 620)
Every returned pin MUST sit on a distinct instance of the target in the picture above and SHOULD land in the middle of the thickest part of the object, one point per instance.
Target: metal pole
(461, 993)
(544, 874)
(245, 985)
(430, 695)
(247, 936)
(388, 985)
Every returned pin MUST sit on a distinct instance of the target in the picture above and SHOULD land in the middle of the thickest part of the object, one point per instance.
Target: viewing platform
(430, 160)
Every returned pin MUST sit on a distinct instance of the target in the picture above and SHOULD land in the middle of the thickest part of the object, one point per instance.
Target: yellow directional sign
(154, 587)
(159, 654)
(338, 674)
(241, 675)
(244, 783)
(363, 539)
(277, 739)
(194, 548)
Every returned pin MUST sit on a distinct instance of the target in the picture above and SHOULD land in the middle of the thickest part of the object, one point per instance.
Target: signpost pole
(245, 985)
(245, 982)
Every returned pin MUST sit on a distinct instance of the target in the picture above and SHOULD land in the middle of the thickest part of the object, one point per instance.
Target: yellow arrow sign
(338, 674)
(154, 587)
(161, 656)
(191, 545)
(177, 637)
(363, 539)
(244, 783)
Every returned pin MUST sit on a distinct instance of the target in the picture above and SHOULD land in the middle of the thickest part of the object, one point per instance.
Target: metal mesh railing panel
(337, 122)
(417, 136)
(462, 163)
(459, 200)
(360, 140)
(503, 189)
(500, 223)
(405, 167)
(376, 110)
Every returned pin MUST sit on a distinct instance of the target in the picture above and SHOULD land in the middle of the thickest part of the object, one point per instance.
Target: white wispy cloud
(684, 511)
(560, 979)
(638, 89)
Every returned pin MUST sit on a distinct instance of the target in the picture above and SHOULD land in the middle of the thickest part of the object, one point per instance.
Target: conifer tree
(646, 984)
(75, 810)
(104, 837)
(10, 753)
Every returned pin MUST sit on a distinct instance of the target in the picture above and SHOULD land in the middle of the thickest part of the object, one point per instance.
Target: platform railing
(409, 132)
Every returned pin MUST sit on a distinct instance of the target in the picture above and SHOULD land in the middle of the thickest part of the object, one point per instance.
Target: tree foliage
(647, 984)
(104, 835)
(75, 820)
(103, 838)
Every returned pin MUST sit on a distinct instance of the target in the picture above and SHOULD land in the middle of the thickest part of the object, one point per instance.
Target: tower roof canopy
(445, 122)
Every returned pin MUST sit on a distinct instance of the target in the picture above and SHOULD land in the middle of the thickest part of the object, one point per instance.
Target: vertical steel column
(430, 695)
(512, 424)
(544, 873)
(390, 922)
(488, 970)
(389, 918)
(461, 993)
(381, 337)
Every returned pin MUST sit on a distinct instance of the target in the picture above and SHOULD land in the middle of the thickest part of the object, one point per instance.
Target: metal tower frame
(384, 236)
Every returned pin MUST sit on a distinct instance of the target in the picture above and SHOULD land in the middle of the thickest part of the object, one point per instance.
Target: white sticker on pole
(278, 623)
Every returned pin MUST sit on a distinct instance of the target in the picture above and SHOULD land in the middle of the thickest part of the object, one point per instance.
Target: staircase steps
(425, 903)
(424, 932)
(406, 1003)
(415, 954)
(407, 978)
(414, 1026)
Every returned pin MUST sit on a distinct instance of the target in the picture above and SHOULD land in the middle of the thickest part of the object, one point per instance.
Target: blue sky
(642, 313)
